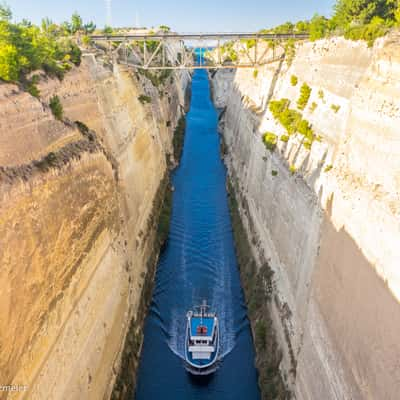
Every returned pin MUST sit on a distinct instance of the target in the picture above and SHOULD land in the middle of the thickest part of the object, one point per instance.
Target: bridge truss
(196, 51)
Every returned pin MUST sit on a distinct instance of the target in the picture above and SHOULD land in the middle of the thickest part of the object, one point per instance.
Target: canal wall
(321, 221)
(80, 200)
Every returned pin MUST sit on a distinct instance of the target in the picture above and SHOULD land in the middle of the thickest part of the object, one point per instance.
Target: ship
(202, 341)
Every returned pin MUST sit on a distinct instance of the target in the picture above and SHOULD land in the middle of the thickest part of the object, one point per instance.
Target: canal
(198, 263)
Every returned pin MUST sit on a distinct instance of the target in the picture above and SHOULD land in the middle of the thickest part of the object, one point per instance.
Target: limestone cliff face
(330, 231)
(75, 203)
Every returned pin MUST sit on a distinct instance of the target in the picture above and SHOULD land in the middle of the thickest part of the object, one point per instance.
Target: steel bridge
(163, 51)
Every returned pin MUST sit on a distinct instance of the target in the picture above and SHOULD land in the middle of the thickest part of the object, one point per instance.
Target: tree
(89, 27)
(66, 27)
(5, 12)
(319, 27)
(349, 12)
(302, 26)
(9, 65)
(397, 14)
(46, 23)
(108, 30)
(26, 23)
(287, 27)
(76, 22)
(49, 27)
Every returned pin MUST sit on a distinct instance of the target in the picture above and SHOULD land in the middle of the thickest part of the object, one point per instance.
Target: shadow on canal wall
(157, 236)
(257, 281)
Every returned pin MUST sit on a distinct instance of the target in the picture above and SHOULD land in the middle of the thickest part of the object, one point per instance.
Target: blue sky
(181, 15)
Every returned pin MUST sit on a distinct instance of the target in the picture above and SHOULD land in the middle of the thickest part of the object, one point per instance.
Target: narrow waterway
(198, 263)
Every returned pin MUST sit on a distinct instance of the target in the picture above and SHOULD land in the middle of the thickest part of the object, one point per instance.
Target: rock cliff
(77, 223)
(325, 219)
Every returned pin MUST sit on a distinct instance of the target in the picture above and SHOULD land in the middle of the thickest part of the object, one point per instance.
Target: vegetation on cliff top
(25, 47)
(354, 19)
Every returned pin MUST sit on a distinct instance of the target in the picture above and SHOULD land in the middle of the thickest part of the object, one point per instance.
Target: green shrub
(86, 40)
(288, 118)
(292, 169)
(44, 164)
(290, 51)
(313, 106)
(108, 30)
(278, 106)
(328, 168)
(291, 120)
(144, 99)
(233, 55)
(319, 27)
(294, 80)
(284, 138)
(249, 43)
(157, 78)
(83, 128)
(397, 15)
(270, 140)
(33, 90)
(260, 334)
(356, 19)
(75, 53)
(54, 70)
(305, 93)
(335, 108)
(321, 94)
(304, 127)
(307, 144)
(9, 63)
(31, 86)
(274, 173)
(370, 32)
(25, 47)
(179, 138)
(255, 73)
(56, 107)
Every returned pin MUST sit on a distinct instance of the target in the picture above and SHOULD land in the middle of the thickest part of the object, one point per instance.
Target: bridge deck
(148, 56)
(199, 36)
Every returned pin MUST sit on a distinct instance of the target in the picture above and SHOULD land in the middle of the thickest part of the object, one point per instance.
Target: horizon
(179, 15)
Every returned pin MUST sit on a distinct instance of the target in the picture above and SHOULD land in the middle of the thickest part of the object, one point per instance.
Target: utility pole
(108, 12)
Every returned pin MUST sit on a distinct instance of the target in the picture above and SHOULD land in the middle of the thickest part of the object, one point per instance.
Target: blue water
(198, 263)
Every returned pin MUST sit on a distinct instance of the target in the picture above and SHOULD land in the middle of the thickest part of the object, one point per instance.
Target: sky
(180, 15)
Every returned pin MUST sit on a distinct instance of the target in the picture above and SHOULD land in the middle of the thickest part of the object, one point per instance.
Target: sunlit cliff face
(75, 237)
(326, 215)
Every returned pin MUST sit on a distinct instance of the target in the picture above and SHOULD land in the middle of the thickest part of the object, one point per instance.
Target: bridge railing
(151, 50)
(200, 36)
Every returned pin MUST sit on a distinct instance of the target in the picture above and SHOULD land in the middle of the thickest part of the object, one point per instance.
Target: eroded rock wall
(326, 220)
(76, 197)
